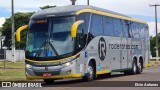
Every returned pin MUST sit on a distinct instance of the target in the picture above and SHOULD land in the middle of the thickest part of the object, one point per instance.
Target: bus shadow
(81, 82)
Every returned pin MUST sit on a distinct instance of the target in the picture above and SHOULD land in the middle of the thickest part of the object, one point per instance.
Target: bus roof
(78, 9)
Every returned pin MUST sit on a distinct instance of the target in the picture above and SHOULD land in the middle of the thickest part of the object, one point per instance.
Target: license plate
(47, 74)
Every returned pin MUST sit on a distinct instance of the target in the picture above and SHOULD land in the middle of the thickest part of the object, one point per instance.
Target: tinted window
(108, 26)
(142, 30)
(117, 27)
(82, 31)
(97, 27)
(84, 26)
(146, 31)
(135, 30)
(125, 28)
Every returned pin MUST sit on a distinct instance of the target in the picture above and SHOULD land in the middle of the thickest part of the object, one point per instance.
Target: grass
(155, 63)
(12, 75)
(11, 65)
(13, 71)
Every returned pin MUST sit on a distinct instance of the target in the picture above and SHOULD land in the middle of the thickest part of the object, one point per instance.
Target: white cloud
(152, 30)
(134, 7)
(31, 4)
(2, 20)
(130, 7)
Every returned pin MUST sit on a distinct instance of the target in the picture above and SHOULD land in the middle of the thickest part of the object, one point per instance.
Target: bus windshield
(50, 38)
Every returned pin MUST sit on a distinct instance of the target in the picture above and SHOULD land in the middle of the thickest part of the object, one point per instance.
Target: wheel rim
(90, 71)
(134, 68)
(139, 67)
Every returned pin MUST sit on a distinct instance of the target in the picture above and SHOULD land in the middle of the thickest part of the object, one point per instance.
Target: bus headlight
(67, 64)
(28, 66)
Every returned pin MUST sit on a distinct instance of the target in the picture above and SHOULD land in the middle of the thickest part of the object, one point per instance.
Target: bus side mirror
(18, 32)
(74, 28)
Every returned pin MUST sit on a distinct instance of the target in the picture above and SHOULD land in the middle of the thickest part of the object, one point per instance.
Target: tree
(45, 7)
(153, 45)
(20, 20)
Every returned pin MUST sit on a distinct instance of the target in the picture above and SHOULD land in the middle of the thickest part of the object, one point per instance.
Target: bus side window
(146, 31)
(96, 27)
(129, 24)
(135, 30)
(142, 31)
(82, 31)
(117, 27)
(108, 26)
(125, 29)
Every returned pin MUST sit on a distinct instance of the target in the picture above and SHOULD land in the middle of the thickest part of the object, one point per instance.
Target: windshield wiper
(40, 51)
(45, 45)
(53, 49)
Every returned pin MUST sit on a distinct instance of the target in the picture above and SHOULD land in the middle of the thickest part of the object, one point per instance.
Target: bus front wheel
(90, 73)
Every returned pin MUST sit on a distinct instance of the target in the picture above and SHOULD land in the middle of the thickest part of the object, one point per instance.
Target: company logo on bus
(46, 68)
(102, 48)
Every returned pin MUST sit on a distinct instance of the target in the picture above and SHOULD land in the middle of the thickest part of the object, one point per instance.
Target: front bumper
(57, 72)
(55, 77)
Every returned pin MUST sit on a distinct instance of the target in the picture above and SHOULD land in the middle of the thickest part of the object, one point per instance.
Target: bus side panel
(124, 53)
(136, 48)
(129, 53)
(113, 52)
(106, 53)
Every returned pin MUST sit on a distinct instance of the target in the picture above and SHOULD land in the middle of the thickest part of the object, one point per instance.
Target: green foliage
(20, 20)
(45, 7)
(153, 45)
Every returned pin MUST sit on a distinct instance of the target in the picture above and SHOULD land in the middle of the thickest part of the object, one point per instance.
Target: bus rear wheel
(134, 68)
(140, 68)
(48, 81)
(90, 73)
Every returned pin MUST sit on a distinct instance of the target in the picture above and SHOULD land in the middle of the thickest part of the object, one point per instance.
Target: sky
(139, 9)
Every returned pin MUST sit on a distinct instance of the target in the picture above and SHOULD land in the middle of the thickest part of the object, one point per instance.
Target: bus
(82, 41)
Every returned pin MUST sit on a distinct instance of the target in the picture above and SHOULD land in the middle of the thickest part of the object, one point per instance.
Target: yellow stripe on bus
(103, 72)
(109, 14)
(55, 77)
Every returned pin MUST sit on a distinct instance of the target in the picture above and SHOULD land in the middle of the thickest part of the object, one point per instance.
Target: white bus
(83, 41)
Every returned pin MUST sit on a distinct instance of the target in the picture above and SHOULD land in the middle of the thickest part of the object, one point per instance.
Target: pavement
(117, 81)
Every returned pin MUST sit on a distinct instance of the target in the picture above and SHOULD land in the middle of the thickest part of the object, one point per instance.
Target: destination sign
(41, 21)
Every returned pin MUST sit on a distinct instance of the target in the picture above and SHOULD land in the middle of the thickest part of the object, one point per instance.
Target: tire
(90, 73)
(48, 81)
(140, 68)
(133, 70)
